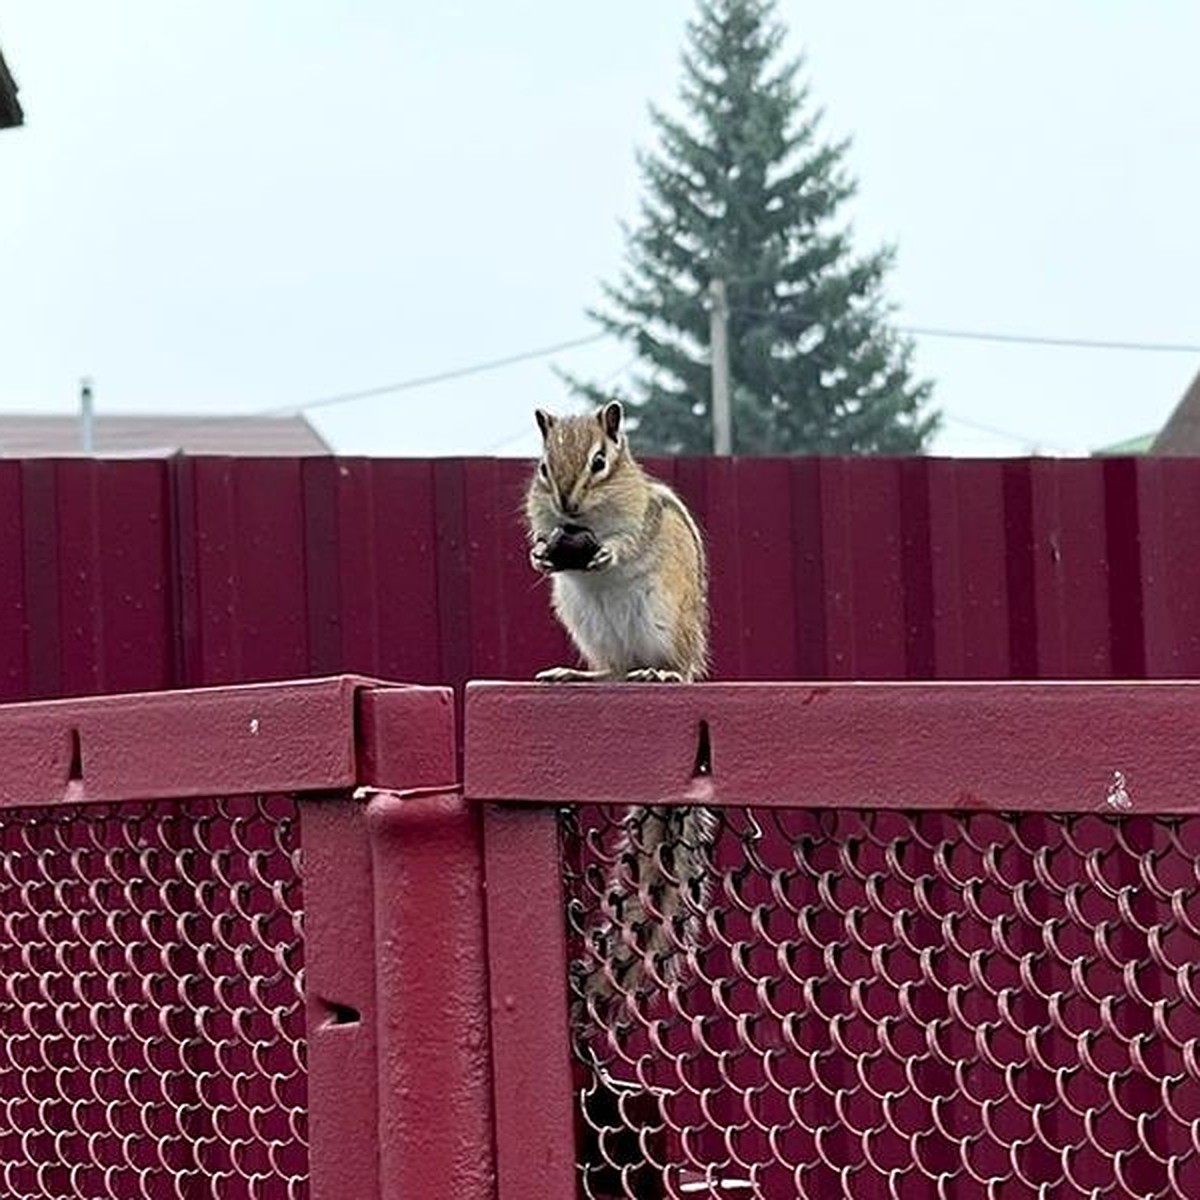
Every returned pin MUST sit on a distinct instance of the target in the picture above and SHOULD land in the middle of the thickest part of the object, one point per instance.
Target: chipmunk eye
(598, 461)
(542, 471)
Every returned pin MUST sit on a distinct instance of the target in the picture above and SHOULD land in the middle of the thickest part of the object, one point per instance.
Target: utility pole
(718, 334)
(87, 438)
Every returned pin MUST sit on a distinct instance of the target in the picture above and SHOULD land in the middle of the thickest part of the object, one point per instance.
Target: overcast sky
(222, 205)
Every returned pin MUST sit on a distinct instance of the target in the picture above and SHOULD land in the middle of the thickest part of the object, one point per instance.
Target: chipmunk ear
(610, 419)
(545, 421)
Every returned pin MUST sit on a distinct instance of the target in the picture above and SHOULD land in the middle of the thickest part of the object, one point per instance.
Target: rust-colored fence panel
(86, 578)
(952, 897)
(194, 571)
(258, 943)
(950, 952)
(213, 954)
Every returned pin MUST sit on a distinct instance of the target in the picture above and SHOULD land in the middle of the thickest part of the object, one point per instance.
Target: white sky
(218, 205)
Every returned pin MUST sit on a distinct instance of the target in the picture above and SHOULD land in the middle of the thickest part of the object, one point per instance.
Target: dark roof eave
(10, 108)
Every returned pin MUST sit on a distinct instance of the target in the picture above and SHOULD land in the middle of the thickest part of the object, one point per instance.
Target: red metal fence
(121, 576)
(943, 955)
(259, 944)
(952, 948)
(213, 954)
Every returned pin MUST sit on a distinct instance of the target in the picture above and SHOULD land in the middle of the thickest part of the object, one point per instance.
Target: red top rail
(1062, 747)
(311, 735)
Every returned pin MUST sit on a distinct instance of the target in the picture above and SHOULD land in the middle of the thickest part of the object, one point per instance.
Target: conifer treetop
(742, 187)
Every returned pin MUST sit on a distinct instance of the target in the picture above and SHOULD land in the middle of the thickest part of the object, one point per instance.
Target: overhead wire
(512, 437)
(419, 381)
(1030, 339)
(509, 360)
(1013, 339)
(1006, 434)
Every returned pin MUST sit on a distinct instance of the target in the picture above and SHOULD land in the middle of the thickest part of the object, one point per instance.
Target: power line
(405, 385)
(951, 418)
(1006, 434)
(1028, 339)
(1016, 339)
(512, 437)
(495, 364)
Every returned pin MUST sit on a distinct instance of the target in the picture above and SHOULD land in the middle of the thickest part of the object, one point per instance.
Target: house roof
(40, 436)
(10, 109)
(1134, 445)
(1181, 434)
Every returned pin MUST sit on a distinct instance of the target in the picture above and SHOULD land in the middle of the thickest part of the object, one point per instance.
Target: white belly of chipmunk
(619, 623)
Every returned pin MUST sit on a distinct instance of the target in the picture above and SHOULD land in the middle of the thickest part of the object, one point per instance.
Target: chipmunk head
(585, 461)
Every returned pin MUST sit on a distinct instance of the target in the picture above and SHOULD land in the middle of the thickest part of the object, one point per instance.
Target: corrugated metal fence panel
(86, 570)
(142, 575)
(246, 570)
(1070, 570)
(1167, 575)
(13, 680)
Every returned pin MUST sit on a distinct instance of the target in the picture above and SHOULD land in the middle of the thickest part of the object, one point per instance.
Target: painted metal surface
(305, 736)
(950, 949)
(206, 741)
(150, 575)
(434, 1051)
(218, 936)
(405, 739)
(85, 590)
(341, 1009)
(396, 967)
(1047, 747)
(527, 962)
(124, 576)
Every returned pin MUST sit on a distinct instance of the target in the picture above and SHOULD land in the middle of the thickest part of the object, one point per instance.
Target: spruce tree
(744, 190)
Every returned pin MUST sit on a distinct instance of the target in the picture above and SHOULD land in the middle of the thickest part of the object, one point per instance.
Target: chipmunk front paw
(604, 558)
(653, 675)
(539, 557)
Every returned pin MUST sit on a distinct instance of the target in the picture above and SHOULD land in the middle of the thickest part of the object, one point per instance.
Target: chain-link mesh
(887, 1004)
(151, 1017)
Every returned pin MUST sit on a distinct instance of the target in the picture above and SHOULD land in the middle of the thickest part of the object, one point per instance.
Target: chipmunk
(629, 576)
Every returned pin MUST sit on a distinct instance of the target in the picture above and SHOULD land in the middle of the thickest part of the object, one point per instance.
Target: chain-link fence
(892, 1004)
(152, 1029)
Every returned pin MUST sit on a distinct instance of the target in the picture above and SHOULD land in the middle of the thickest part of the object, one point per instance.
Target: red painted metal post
(527, 952)
(417, 845)
(400, 1103)
(435, 1128)
(406, 740)
(341, 1005)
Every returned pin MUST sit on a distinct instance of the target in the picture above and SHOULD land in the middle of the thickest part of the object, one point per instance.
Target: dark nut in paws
(571, 548)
